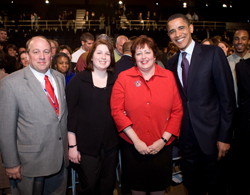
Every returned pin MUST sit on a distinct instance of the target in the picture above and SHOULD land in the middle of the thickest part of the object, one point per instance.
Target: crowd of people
(62, 106)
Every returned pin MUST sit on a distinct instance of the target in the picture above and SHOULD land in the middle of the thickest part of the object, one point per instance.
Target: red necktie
(51, 95)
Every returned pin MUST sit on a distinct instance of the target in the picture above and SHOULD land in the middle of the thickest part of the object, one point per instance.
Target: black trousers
(97, 174)
(201, 172)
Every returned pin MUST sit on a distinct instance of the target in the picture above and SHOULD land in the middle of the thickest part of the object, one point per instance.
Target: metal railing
(125, 24)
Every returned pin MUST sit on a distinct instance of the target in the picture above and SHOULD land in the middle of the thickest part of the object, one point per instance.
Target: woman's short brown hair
(91, 53)
(140, 42)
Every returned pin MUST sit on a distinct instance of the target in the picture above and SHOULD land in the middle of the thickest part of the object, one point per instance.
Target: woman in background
(224, 46)
(23, 60)
(62, 63)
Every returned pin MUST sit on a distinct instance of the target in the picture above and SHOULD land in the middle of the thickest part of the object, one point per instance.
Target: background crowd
(91, 65)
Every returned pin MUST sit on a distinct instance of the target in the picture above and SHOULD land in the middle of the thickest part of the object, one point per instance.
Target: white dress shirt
(189, 51)
(40, 77)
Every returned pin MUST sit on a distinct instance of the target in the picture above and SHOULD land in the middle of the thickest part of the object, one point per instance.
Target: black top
(89, 114)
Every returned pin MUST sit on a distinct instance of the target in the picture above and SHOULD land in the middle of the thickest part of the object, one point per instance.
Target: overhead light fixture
(120, 2)
(12, 1)
(224, 5)
(156, 3)
(47, 1)
(184, 5)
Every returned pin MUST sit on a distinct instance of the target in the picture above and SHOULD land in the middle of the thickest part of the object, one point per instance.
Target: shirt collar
(127, 55)
(235, 56)
(134, 71)
(189, 50)
(40, 75)
(118, 53)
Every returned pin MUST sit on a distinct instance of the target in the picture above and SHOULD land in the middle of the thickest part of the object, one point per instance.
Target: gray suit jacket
(31, 134)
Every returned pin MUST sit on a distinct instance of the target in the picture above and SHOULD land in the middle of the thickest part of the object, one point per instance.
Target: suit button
(60, 138)
(187, 102)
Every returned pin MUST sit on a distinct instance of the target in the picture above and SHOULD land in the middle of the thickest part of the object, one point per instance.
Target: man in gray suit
(33, 125)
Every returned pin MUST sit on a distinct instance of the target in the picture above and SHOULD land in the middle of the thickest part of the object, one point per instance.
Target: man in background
(118, 47)
(125, 62)
(87, 41)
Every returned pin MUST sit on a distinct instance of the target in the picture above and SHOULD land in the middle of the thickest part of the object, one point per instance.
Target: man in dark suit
(243, 126)
(125, 62)
(33, 125)
(206, 87)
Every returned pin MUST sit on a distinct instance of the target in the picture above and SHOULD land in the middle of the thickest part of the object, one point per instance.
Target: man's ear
(27, 55)
(191, 28)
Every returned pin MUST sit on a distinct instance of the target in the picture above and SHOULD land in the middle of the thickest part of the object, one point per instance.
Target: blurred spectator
(195, 17)
(118, 47)
(140, 17)
(65, 49)
(11, 65)
(225, 37)
(87, 16)
(54, 46)
(62, 63)
(32, 20)
(36, 21)
(1, 21)
(102, 20)
(224, 46)
(215, 40)
(70, 20)
(189, 16)
(3, 39)
(207, 42)
(20, 49)
(23, 60)
(87, 41)
(231, 50)
(171, 49)
(12, 51)
(3, 63)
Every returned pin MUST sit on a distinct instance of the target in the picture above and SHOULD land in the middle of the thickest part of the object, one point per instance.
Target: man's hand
(222, 148)
(14, 172)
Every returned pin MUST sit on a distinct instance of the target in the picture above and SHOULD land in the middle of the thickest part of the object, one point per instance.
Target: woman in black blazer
(92, 135)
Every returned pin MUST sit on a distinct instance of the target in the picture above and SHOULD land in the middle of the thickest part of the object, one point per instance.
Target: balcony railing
(123, 23)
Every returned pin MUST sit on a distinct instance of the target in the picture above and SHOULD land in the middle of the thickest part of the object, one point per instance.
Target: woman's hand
(141, 147)
(74, 155)
(156, 146)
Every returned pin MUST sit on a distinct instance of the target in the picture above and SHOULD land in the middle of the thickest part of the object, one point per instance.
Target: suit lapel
(194, 64)
(181, 90)
(37, 89)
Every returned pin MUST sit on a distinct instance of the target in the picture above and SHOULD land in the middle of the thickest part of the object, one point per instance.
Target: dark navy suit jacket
(209, 103)
(123, 64)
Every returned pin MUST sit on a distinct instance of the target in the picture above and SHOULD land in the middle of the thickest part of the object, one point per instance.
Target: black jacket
(90, 114)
